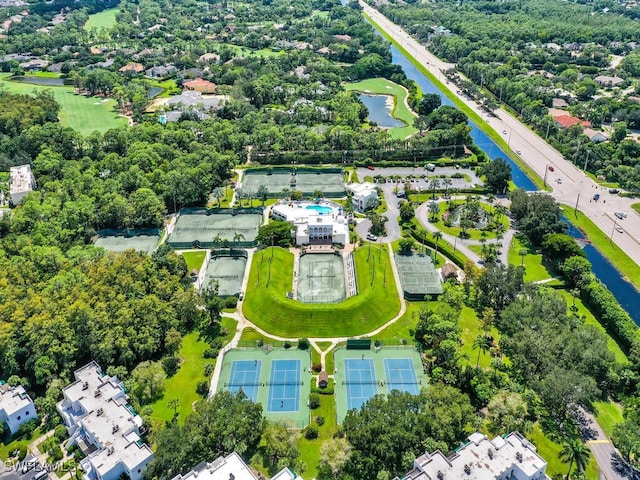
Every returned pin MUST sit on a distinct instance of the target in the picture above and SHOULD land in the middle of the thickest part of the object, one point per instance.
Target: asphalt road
(576, 187)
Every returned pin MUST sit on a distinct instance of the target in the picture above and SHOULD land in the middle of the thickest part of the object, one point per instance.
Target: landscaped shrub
(60, 433)
(26, 429)
(202, 388)
(259, 343)
(210, 353)
(231, 302)
(314, 401)
(287, 345)
(303, 344)
(320, 420)
(208, 369)
(171, 365)
(311, 432)
(316, 367)
(22, 452)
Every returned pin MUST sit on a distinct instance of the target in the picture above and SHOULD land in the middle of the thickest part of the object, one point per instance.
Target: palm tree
(175, 404)
(574, 451)
(437, 235)
(523, 252)
(481, 343)
(238, 237)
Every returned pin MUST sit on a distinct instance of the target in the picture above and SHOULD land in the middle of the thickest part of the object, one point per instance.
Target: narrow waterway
(626, 294)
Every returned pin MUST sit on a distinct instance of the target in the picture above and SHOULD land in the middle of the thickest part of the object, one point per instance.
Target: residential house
(21, 182)
(100, 421)
(595, 136)
(559, 103)
(343, 38)
(364, 195)
(209, 58)
(35, 64)
(16, 407)
(200, 85)
(132, 67)
(511, 457)
(607, 81)
(566, 121)
(160, 72)
(231, 467)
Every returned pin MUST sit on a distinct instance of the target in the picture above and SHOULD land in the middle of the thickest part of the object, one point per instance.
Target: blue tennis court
(360, 381)
(284, 386)
(401, 375)
(245, 376)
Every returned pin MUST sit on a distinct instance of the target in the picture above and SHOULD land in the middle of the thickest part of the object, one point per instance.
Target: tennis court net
(262, 384)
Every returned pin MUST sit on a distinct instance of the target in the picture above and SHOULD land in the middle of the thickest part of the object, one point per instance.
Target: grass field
(183, 384)
(400, 110)
(194, 259)
(535, 270)
(310, 449)
(83, 114)
(608, 414)
(636, 207)
(549, 450)
(104, 19)
(267, 306)
(610, 250)
(470, 328)
(5, 450)
(404, 326)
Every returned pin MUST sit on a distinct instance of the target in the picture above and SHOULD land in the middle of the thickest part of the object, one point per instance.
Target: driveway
(423, 184)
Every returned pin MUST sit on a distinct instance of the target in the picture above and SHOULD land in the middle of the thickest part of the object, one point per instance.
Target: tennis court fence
(378, 382)
(262, 384)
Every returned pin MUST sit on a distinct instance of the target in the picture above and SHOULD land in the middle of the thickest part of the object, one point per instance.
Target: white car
(619, 229)
(558, 180)
(518, 152)
(504, 132)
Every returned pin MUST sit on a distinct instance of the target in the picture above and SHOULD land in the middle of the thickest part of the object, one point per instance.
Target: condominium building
(364, 195)
(96, 413)
(16, 407)
(21, 182)
(511, 457)
(231, 467)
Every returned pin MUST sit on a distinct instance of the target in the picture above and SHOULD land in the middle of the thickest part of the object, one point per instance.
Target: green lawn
(404, 326)
(251, 335)
(183, 384)
(470, 328)
(601, 241)
(5, 450)
(83, 114)
(549, 450)
(636, 207)
(608, 414)
(267, 306)
(194, 259)
(591, 320)
(104, 19)
(310, 449)
(382, 86)
(535, 270)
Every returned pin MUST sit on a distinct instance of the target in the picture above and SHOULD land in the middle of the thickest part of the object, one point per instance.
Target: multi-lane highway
(576, 187)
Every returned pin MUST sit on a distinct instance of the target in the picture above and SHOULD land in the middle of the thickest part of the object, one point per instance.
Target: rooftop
(226, 468)
(363, 189)
(482, 459)
(21, 179)
(13, 399)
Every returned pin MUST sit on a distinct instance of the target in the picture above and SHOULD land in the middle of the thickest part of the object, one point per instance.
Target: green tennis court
(361, 374)
(321, 278)
(329, 181)
(208, 229)
(228, 271)
(418, 276)
(126, 240)
(278, 378)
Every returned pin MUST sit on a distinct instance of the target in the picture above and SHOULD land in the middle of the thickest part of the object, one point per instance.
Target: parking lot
(422, 184)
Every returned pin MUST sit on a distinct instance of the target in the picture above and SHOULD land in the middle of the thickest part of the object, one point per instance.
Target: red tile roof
(566, 121)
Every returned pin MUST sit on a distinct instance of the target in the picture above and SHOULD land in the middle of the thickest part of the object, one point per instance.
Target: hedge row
(456, 257)
(611, 315)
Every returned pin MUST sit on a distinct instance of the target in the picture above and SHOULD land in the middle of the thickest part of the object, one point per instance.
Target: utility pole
(547, 134)
(546, 170)
(575, 210)
(586, 160)
(615, 223)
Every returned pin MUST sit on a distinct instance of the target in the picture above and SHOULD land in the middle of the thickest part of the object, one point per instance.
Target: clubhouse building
(314, 223)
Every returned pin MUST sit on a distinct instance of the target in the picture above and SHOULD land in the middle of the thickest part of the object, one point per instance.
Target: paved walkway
(602, 450)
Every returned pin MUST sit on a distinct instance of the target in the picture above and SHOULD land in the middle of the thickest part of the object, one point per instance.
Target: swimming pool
(321, 209)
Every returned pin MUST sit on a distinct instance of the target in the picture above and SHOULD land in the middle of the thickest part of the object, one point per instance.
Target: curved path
(576, 186)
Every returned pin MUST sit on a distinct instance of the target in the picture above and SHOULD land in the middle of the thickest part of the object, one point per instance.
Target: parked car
(613, 191)
(371, 237)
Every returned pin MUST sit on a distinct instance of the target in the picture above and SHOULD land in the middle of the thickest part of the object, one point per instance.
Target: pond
(624, 292)
(380, 107)
(45, 81)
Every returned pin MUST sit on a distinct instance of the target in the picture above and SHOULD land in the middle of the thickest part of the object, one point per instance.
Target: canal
(626, 294)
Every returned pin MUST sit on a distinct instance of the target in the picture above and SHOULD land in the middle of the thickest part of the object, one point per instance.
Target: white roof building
(363, 195)
(21, 182)
(314, 223)
(231, 467)
(511, 457)
(16, 407)
(95, 410)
